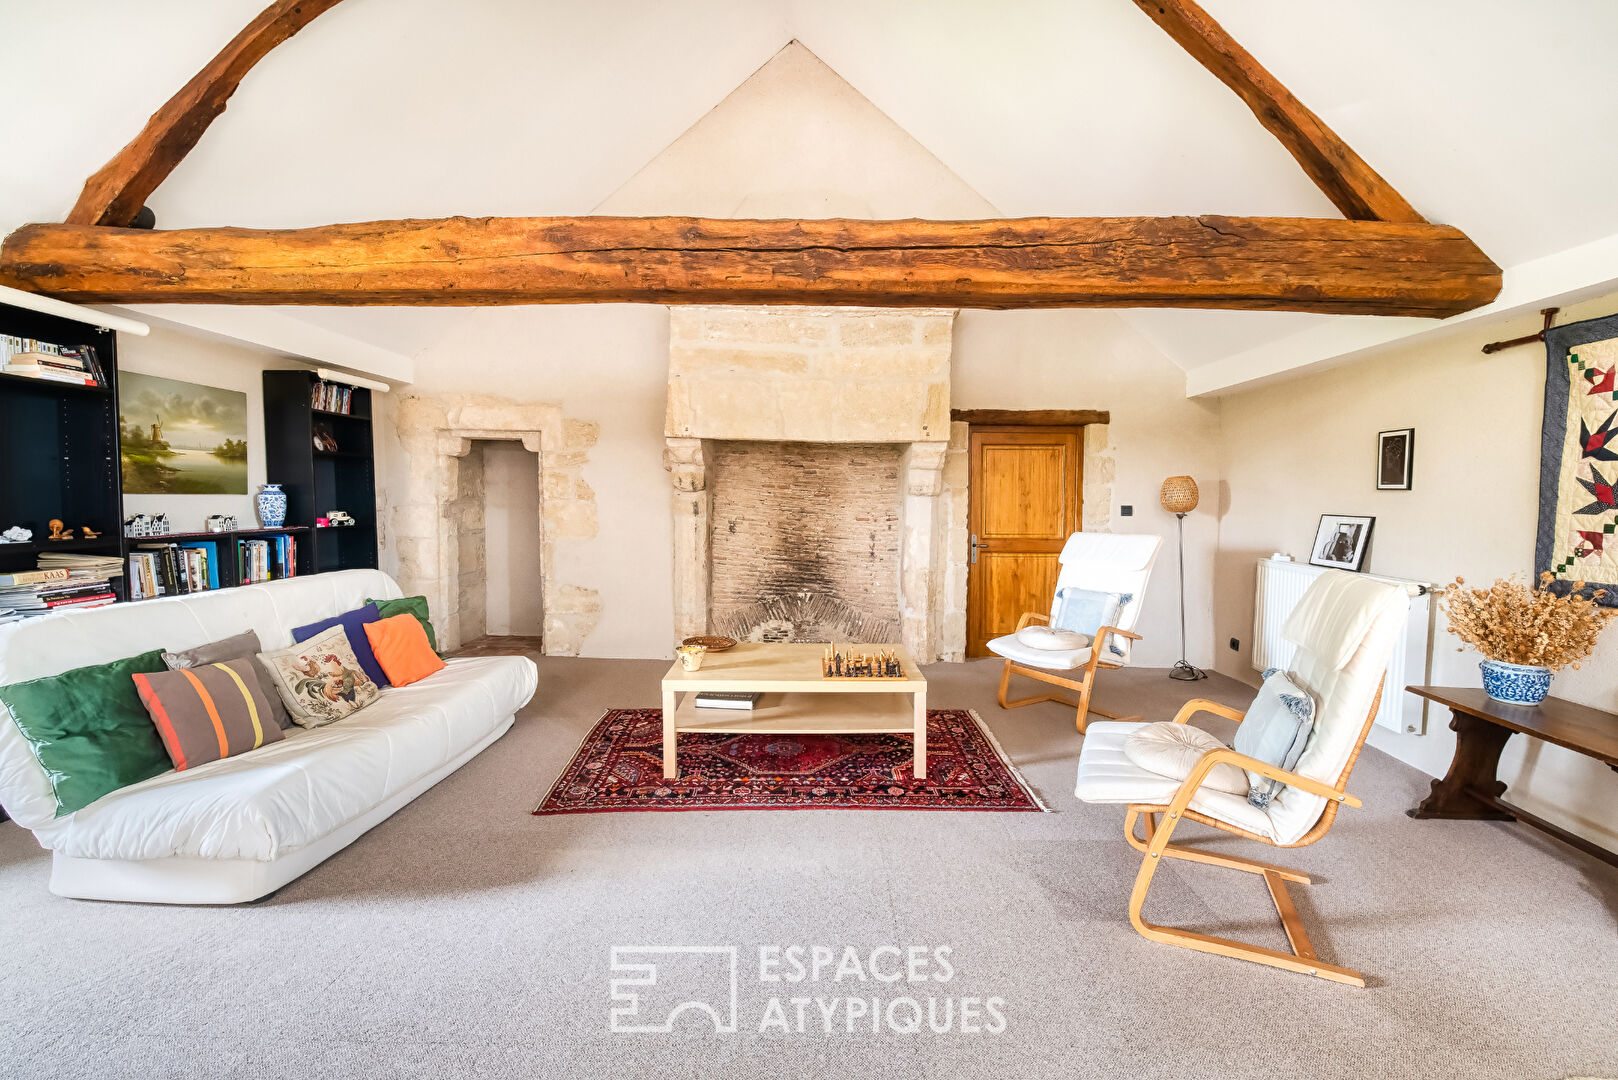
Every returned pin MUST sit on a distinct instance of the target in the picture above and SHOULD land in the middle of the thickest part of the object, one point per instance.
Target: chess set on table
(836, 664)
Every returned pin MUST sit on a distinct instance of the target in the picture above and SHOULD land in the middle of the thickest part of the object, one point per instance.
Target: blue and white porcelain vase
(1515, 684)
(272, 506)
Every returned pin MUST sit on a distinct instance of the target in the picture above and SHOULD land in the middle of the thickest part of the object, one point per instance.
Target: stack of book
(29, 593)
(332, 397)
(54, 363)
(173, 569)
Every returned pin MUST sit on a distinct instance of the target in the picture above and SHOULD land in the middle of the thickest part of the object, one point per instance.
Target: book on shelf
(32, 577)
(266, 560)
(173, 569)
(727, 699)
(332, 397)
(28, 593)
(50, 375)
(80, 565)
(33, 359)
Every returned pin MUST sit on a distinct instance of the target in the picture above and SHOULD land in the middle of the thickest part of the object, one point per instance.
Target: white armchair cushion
(1106, 775)
(1051, 639)
(1173, 750)
(1049, 659)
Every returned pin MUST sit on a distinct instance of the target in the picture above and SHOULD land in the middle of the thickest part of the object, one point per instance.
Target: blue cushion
(1275, 731)
(353, 624)
(1085, 611)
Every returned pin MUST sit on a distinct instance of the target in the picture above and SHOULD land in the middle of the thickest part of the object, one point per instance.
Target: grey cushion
(234, 648)
(1275, 730)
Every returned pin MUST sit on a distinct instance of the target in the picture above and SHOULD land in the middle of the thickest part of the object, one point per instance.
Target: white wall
(1307, 446)
(1075, 359)
(795, 140)
(175, 355)
(511, 556)
(601, 363)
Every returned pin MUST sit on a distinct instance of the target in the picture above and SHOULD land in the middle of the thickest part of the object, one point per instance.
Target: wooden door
(1023, 504)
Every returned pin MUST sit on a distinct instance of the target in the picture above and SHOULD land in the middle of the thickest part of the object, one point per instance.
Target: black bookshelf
(317, 481)
(59, 447)
(229, 567)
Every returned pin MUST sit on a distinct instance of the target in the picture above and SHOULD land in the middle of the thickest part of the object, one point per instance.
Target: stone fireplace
(808, 450)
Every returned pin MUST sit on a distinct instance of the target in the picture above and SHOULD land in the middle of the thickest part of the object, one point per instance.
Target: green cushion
(89, 729)
(413, 605)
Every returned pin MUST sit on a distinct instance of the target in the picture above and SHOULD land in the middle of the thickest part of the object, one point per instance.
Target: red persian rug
(619, 766)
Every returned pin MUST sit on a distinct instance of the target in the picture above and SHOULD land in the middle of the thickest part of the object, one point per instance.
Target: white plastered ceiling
(1492, 115)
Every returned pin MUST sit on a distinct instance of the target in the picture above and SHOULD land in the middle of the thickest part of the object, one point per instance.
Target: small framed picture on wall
(1341, 542)
(1395, 459)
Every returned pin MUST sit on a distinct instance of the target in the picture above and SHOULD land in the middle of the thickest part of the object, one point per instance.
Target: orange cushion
(400, 645)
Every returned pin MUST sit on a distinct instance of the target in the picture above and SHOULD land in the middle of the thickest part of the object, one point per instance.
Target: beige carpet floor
(466, 938)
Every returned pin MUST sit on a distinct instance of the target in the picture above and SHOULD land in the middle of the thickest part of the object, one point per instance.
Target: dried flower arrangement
(1516, 623)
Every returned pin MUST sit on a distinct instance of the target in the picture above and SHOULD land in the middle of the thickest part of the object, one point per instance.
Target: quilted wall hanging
(1578, 470)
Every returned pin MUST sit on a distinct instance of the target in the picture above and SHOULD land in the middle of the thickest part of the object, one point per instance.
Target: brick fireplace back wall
(805, 540)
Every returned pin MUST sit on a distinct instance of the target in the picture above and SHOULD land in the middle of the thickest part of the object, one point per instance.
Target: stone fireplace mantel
(822, 376)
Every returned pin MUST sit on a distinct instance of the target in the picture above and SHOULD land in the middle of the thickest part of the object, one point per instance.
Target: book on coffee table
(725, 699)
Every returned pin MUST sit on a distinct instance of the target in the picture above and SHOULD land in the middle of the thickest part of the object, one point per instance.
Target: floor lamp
(1179, 497)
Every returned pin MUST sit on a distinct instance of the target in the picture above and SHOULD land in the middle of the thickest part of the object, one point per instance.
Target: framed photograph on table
(1341, 542)
(1395, 459)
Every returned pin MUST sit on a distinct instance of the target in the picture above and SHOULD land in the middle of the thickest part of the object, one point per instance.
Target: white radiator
(1281, 586)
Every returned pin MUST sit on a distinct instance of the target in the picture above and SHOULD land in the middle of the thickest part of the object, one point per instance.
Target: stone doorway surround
(824, 375)
(438, 516)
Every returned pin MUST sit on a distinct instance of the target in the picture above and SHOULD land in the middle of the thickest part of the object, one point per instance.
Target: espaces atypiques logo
(797, 990)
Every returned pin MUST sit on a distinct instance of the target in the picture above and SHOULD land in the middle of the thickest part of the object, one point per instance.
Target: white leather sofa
(240, 828)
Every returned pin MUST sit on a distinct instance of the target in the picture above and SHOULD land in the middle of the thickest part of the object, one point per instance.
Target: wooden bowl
(711, 643)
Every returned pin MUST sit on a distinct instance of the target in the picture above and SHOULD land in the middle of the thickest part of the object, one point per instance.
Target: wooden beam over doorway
(1031, 417)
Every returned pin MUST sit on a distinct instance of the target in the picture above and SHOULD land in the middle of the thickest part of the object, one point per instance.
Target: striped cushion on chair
(209, 712)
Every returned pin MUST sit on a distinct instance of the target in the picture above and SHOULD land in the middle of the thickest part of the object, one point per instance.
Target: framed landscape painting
(181, 438)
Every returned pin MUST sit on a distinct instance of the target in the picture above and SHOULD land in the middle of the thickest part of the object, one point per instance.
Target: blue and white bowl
(1515, 684)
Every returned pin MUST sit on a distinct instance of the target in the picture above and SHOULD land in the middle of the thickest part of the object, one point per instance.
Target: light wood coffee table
(797, 701)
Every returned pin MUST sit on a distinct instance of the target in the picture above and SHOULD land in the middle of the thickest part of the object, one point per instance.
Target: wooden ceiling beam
(1353, 186)
(1284, 264)
(115, 194)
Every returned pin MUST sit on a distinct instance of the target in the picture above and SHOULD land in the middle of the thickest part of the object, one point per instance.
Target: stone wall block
(856, 330)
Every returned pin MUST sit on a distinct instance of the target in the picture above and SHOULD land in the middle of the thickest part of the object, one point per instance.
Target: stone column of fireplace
(684, 460)
(826, 376)
(921, 563)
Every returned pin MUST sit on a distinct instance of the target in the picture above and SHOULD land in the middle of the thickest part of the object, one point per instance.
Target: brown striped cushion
(208, 712)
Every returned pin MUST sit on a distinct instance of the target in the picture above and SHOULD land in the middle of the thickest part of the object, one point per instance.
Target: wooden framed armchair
(1106, 562)
(1345, 627)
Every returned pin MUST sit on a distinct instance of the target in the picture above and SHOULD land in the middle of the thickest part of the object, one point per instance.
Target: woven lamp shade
(1179, 495)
